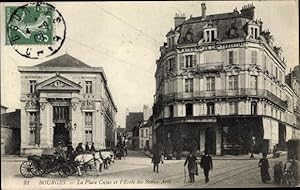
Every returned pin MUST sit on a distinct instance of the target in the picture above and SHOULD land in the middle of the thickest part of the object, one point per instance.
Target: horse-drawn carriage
(50, 162)
(47, 163)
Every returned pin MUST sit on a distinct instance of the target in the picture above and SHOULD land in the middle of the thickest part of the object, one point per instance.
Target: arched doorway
(210, 140)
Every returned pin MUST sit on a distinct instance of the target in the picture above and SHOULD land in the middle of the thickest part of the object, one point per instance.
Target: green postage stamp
(29, 25)
(34, 30)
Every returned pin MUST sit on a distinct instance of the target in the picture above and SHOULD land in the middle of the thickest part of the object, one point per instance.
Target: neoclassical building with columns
(65, 100)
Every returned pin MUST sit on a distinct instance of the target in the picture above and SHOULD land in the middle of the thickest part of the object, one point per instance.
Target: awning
(271, 130)
(275, 131)
(289, 133)
(267, 128)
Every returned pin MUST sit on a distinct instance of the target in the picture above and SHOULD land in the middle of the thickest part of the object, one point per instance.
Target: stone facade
(220, 85)
(65, 100)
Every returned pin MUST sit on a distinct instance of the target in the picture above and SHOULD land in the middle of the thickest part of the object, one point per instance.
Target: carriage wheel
(39, 170)
(27, 169)
(64, 171)
(73, 169)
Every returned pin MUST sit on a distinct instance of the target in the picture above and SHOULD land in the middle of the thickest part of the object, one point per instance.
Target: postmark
(35, 30)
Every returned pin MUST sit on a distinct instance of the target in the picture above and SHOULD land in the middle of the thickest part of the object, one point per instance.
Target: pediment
(58, 83)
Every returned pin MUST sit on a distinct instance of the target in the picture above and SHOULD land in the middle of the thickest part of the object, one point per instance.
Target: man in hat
(60, 152)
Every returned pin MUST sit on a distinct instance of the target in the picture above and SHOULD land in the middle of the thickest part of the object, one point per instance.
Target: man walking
(206, 164)
(192, 165)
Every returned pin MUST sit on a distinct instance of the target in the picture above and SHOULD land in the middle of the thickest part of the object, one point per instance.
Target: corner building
(220, 86)
(65, 100)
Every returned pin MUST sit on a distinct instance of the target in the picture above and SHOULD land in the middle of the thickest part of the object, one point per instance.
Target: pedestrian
(155, 161)
(162, 158)
(191, 162)
(92, 148)
(264, 168)
(87, 148)
(79, 149)
(206, 164)
(60, 152)
(70, 152)
(278, 172)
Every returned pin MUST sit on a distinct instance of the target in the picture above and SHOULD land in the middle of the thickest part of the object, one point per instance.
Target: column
(202, 139)
(24, 128)
(44, 122)
(218, 140)
(97, 125)
(77, 123)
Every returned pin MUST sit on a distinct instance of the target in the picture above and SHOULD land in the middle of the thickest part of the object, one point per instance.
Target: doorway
(61, 134)
(210, 140)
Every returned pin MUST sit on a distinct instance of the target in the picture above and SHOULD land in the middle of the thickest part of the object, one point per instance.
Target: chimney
(179, 19)
(248, 11)
(203, 10)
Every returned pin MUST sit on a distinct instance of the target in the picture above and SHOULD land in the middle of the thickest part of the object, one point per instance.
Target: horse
(107, 157)
(92, 159)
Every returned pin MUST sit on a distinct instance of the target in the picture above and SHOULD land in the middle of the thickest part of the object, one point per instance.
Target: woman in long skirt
(264, 168)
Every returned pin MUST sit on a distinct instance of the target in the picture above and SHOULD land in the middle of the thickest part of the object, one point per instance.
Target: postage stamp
(35, 30)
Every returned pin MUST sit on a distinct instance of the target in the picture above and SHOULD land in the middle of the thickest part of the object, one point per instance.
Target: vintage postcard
(150, 94)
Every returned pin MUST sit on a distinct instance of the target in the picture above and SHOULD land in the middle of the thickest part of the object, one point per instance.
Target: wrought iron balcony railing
(210, 66)
(226, 93)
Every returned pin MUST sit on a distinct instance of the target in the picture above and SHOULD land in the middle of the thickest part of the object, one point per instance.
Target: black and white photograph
(150, 94)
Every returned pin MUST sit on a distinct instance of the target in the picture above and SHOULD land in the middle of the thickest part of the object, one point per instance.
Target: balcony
(242, 92)
(215, 66)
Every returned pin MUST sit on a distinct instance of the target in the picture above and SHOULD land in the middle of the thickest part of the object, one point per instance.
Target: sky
(124, 38)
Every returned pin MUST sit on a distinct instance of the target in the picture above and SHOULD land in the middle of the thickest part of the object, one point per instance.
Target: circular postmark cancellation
(35, 30)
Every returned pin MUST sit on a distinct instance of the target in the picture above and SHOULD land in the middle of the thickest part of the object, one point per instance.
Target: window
(232, 55)
(88, 119)
(253, 82)
(88, 87)
(265, 109)
(188, 61)
(210, 83)
(265, 62)
(207, 36)
(32, 127)
(253, 57)
(171, 64)
(233, 107)
(188, 85)
(189, 109)
(142, 132)
(171, 108)
(253, 108)
(254, 32)
(210, 108)
(32, 85)
(233, 82)
(60, 114)
(213, 35)
(276, 72)
(210, 35)
(88, 135)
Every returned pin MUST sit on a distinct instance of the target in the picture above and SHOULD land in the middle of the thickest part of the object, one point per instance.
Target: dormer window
(253, 30)
(210, 34)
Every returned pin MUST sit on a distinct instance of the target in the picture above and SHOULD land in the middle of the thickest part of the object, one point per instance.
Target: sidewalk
(236, 157)
(13, 158)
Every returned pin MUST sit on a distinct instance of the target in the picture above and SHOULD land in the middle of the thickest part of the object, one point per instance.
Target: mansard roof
(224, 22)
(63, 61)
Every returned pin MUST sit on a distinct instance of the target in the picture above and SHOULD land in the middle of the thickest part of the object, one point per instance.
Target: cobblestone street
(136, 172)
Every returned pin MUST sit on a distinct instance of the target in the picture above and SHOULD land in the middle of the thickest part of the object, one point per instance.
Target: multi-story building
(65, 100)
(220, 86)
(133, 119)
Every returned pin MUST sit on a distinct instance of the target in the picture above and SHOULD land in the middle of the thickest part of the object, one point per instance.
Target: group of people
(205, 163)
(282, 173)
(70, 154)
